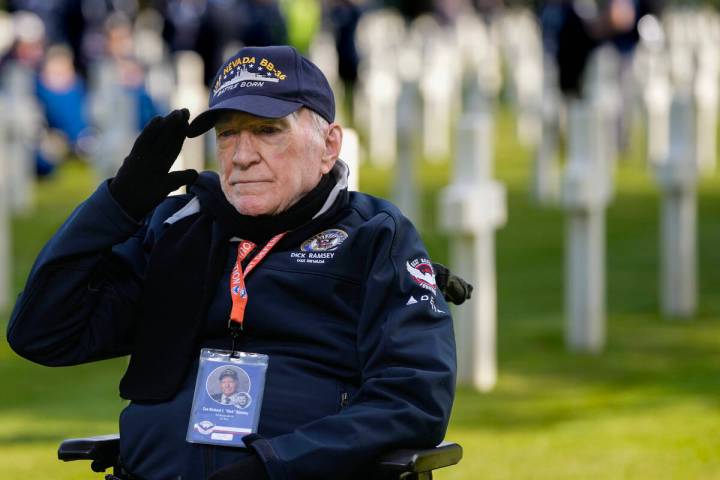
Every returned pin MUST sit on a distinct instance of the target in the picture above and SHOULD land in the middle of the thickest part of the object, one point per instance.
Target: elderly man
(334, 287)
(228, 394)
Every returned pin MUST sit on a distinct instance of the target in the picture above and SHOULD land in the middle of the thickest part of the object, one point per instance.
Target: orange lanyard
(238, 292)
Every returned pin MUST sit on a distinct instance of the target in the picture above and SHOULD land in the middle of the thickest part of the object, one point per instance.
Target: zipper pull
(344, 400)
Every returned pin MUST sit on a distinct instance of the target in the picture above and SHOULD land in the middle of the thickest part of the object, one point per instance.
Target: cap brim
(261, 106)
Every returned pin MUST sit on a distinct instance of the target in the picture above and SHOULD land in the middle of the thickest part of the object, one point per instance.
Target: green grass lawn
(648, 407)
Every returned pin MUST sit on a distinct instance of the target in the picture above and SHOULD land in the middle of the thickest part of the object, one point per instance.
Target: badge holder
(228, 396)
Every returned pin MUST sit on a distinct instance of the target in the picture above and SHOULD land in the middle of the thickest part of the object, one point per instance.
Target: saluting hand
(144, 179)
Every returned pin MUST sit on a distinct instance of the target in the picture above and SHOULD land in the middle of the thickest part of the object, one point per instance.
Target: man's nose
(245, 153)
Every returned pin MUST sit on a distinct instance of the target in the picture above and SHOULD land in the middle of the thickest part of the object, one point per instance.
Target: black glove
(249, 468)
(453, 288)
(143, 180)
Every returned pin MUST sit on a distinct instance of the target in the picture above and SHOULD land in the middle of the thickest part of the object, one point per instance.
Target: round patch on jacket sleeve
(422, 273)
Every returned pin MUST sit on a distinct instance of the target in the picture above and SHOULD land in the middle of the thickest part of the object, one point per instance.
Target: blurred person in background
(410, 9)
(63, 97)
(210, 27)
(445, 12)
(569, 38)
(488, 8)
(622, 18)
(344, 17)
(52, 13)
(25, 57)
(119, 48)
(572, 29)
(265, 24)
(28, 46)
(77, 23)
(96, 18)
(182, 21)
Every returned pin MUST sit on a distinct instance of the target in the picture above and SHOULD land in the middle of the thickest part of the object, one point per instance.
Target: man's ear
(333, 144)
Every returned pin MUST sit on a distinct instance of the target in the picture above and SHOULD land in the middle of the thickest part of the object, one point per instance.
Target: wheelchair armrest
(422, 460)
(103, 450)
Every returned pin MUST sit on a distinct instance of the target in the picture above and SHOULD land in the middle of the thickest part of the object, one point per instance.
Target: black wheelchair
(404, 464)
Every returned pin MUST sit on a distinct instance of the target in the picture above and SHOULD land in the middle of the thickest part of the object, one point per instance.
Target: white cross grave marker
(470, 210)
(405, 188)
(5, 234)
(677, 177)
(585, 196)
(21, 135)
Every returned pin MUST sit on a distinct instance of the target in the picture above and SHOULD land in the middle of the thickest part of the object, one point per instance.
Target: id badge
(228, 396)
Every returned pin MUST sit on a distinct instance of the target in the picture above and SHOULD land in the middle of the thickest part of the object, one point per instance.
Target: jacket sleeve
(79, 300)
(407, 352)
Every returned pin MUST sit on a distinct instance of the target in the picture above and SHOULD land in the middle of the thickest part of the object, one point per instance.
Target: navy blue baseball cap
(269, 82)
(228, 372)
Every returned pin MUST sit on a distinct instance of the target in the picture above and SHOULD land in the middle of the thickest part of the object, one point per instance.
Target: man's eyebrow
(269, 121)
(252, 122)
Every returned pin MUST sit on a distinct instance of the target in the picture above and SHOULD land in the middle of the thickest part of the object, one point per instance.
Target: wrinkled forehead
(231, 117)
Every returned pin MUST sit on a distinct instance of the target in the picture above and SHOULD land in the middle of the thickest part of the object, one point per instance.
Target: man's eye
(267, 130)
(225, 133)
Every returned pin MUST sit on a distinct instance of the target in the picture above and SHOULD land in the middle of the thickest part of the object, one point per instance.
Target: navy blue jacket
(361, 347)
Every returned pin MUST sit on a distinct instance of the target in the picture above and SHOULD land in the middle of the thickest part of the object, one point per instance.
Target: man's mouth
(248, 182)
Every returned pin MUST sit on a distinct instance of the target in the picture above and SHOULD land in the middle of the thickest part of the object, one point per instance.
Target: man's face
(266, 165)
(228, 385)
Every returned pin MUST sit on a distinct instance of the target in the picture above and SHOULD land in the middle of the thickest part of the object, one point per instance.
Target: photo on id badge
(226, 403)
(229, 385)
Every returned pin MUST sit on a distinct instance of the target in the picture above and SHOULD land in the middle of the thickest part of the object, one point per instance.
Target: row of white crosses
(415, 81)
(428, 57)
(693, 73)
(411, 89)
(680, 91)
(680, 65)
(437, 68)
(674, 113)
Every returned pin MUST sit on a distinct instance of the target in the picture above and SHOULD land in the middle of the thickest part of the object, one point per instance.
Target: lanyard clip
(235, 331)
(236, 328)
